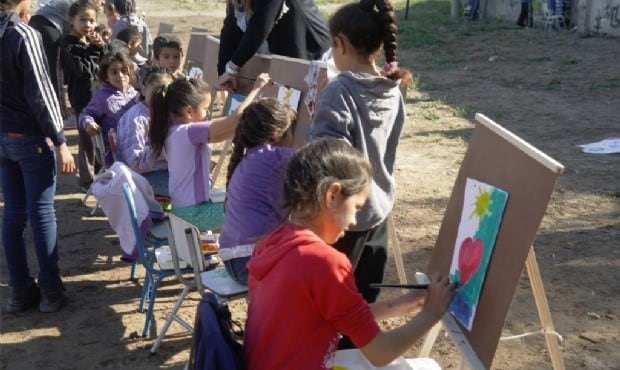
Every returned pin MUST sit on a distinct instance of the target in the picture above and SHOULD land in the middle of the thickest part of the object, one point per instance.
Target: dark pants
(87, 168)
(367, 251)
(525, 16)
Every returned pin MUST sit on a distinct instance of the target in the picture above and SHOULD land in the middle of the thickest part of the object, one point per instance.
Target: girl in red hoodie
(302, 291)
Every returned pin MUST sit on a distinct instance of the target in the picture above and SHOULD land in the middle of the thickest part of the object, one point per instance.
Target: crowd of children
(307, 227)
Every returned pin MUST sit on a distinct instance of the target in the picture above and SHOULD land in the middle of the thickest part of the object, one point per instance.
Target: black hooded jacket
(28, 103)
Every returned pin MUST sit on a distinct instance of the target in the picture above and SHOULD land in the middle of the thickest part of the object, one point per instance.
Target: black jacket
(28, 103)
(300, 33)
(80, 64)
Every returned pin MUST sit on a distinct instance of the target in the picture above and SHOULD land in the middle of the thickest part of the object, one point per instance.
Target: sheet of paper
(481, 218)
(290, 96)
(233, 102)
(608, 146)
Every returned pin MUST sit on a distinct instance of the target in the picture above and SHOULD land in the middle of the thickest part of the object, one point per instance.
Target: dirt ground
(552, 89)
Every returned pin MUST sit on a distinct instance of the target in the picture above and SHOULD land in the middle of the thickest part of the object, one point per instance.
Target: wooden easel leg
(429, 340)
(398, 257)
(220, 160)
(542, 306)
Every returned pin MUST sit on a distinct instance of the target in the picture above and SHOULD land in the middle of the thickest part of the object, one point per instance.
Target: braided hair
(368, 25)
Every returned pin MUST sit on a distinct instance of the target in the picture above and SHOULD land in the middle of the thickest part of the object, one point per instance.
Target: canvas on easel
(497, 156)
(481, 217)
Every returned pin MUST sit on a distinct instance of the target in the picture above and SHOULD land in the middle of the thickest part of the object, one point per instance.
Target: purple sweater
(133, 146)
(106, 107)
(254, 203)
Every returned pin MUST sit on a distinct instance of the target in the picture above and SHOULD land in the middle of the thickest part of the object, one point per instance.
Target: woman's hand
(66, 163)
(227, 82)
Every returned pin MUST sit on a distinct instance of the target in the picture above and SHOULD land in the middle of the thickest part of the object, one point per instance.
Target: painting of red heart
(481, 219)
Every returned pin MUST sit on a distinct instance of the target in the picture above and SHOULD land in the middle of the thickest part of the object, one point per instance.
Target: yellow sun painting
(482, 203)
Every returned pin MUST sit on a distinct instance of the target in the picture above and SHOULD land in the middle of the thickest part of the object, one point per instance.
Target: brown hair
(263, 122)
(316, 166)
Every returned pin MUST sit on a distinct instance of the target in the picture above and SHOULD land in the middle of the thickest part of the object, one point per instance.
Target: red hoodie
(302, 293)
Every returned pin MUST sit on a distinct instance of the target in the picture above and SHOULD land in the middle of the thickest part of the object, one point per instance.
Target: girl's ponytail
(160, 119)
(265, 121)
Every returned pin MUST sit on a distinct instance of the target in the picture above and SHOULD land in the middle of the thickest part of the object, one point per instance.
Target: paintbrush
(401, 286)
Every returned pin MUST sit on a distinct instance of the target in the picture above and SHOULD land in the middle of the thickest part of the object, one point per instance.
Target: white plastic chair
(551, 21)
(185, 245)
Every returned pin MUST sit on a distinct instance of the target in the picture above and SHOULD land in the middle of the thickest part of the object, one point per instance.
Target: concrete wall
(592, 17)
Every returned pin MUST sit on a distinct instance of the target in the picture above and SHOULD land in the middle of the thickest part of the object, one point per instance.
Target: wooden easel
(470, 357)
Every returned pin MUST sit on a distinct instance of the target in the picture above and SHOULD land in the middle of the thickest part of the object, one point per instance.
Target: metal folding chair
(185, 245)
(148, 259)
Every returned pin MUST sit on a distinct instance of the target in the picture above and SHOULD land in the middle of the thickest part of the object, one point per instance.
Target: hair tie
(165, 89)
(389, 68)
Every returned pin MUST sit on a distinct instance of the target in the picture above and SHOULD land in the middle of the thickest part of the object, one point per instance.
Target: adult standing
(31, 127)
(293, 28)
(51, 20)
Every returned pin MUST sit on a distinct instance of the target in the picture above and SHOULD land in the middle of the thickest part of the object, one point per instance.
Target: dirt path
(554, 90)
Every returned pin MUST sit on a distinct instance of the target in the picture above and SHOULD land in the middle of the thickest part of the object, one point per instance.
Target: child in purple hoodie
(112, 100)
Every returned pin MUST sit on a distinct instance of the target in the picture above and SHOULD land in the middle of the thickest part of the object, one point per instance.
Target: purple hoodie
(106, 107)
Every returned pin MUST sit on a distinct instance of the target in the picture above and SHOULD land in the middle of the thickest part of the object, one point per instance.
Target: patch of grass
(539, 59)
(462, 112)
(554, 83)
(570, 61)
(611, 83)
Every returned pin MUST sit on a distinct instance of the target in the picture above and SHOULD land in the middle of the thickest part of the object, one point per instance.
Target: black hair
(265, 121)
(102, 29)
(129, 35)
(80, 6)
(166, 40)
(368, 25)
(316, 166)
(167, 101)
(8, 5)
(118, 46)
(110, 58)
(148, 75)
(125, 7)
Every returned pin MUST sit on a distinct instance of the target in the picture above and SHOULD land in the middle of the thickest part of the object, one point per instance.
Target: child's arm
(224, 127)
(89, 115)
(388, 345)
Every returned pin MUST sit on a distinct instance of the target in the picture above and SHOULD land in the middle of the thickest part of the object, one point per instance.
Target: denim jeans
(158, 181)
(237, 269)
(28, 172)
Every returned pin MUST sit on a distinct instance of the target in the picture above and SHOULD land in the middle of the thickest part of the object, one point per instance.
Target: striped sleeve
(38, 87)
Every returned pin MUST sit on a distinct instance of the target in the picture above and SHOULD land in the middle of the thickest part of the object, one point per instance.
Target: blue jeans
(158, 181)
(237, 269)
(28, 172)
